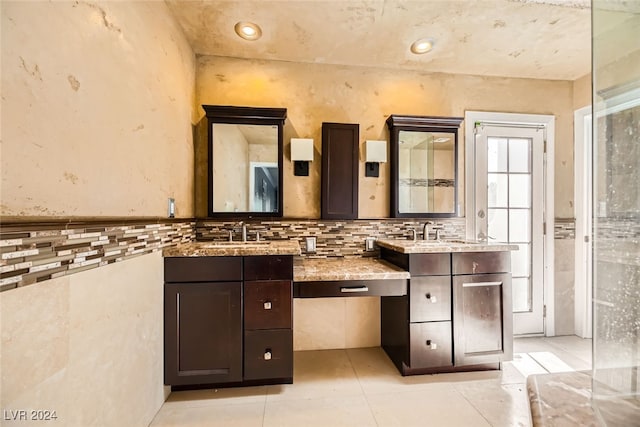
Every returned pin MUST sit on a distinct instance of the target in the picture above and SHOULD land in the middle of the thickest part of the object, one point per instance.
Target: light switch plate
(310, 245)
(172, 208)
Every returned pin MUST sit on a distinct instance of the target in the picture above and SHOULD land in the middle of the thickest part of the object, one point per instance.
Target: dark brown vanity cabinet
(339, 185)
(228, 320)
(203, 320)
(482, 307)
(268, 333)
(455, 315)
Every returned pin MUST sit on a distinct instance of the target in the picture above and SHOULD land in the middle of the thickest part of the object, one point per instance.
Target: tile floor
(361, 387)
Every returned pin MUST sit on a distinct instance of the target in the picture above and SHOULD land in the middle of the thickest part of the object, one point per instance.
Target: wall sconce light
(301, 155)
(375, 153)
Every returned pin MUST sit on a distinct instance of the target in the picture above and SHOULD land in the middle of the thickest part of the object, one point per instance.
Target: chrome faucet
(244, 231)
(413, 234)
(425, 230)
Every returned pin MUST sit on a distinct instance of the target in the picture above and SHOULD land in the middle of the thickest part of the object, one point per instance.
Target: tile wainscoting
(564, 228)
(32, 252)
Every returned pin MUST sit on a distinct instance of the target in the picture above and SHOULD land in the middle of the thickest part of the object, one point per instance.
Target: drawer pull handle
(267, 354)
(267, 305)
(470, 285)
(431, 298)
(432, 345)
(358, 289)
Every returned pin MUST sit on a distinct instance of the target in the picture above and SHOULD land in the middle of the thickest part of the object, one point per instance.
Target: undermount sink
(442, 242)
(227, 244)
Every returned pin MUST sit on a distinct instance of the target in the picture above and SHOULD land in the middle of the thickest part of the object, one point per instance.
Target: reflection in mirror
(249, 183)
(245, 161)
(424, 168)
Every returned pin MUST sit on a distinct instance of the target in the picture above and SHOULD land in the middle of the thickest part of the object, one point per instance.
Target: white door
(509, 191)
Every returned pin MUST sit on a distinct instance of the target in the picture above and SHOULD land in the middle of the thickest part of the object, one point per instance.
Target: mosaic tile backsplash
(30, 254)
(333, 237)
(36, 252)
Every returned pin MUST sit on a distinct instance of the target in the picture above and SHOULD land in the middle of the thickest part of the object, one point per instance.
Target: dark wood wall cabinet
(339, 185)
(228, 321)
(456, 315)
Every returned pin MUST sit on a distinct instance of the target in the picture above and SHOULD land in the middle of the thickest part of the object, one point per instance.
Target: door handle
(482, 236)
(471, 285)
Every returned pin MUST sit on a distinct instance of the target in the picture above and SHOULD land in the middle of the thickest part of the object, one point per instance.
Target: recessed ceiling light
(422, 46)
(441, 140)
(248, 30)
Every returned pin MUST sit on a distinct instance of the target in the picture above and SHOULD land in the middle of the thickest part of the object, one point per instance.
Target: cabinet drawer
(481, 262)
(267, 305)
(430, 264)
(202, 269)
(268, 354)
(430, 345)
(350, 288)
(277, 267)
(430, 298)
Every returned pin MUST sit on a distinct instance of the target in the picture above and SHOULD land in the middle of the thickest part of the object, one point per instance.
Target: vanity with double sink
(445, 306)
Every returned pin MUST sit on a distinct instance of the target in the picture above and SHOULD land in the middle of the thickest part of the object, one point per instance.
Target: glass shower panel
(616, 222)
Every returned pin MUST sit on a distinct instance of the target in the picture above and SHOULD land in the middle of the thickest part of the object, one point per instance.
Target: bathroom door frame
(583, 282)
(528, 120)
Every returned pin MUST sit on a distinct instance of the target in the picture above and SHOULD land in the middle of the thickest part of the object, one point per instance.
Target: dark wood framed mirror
(245, 161)
(424, 166)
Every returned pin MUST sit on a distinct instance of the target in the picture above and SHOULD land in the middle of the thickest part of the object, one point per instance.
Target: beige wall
(313, 93)
(97, 106)
(582, 92)
(88, 345)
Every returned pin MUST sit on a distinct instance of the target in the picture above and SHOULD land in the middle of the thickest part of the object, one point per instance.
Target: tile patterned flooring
(361, 387)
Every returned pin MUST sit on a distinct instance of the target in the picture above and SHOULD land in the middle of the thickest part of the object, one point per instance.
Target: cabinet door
(482, 319)
(339, 171)
(203, 333)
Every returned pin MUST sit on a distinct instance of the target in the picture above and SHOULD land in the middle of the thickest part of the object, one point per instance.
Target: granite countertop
(565, 399)
(314, 270)
(264, 247)
(439, 246)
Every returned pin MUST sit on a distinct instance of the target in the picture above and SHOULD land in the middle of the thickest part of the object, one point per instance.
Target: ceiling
(542, 39)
